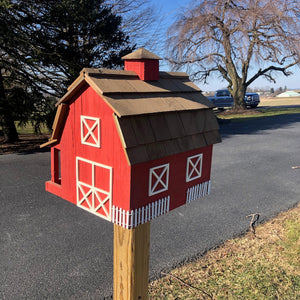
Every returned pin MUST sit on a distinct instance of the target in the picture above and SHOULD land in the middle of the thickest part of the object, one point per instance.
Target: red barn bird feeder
(130, 145)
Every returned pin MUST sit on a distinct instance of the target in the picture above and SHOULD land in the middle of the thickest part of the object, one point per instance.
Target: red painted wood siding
(88, 103)
(177, 189)
(147, 69)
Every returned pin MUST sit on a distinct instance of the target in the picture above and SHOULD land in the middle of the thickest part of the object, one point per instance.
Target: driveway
(50, 249)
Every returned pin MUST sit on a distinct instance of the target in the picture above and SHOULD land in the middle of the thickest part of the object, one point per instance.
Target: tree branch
(271, 68)
(254, 219)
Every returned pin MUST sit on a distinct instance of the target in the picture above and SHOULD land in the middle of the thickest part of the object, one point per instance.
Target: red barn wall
(177, 186)
(131, 202)
(111, 154)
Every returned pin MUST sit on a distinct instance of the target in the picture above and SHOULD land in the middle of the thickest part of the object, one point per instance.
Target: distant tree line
(267, 90)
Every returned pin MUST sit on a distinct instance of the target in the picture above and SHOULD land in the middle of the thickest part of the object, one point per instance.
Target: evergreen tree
(44, 45)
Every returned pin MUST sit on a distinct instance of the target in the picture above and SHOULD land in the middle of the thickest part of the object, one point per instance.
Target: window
(223, 93)
(194, 167)
(56, 166)
(90, 131)
(158, 179)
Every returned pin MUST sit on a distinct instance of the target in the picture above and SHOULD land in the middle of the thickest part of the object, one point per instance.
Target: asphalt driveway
(50, 249)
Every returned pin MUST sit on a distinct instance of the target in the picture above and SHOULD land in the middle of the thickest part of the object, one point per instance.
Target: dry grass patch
(27, 142)
(247, 114)
(261, 266)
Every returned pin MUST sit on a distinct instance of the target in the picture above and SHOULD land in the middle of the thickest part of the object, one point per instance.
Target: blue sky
(168, 10)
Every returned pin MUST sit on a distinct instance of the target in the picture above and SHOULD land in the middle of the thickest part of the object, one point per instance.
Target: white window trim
(154, 183)
(95, 126)
(194, 167)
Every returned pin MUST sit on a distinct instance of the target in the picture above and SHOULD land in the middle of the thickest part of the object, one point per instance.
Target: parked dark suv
(252, 99)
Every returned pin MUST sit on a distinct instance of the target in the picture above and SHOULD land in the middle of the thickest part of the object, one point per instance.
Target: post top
(141, 53)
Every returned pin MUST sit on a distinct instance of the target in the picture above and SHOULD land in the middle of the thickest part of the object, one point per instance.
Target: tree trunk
(9, 129)
(238, 95)
(6, 117)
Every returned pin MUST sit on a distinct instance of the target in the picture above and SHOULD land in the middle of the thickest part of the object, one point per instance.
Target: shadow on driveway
(254, 125)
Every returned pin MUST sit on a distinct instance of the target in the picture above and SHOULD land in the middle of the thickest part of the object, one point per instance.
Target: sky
(168, 10)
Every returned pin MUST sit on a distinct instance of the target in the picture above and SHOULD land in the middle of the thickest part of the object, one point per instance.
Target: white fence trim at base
(130, 219)
(198, 191)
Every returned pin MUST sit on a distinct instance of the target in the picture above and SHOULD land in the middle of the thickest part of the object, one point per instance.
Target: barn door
(94, 187)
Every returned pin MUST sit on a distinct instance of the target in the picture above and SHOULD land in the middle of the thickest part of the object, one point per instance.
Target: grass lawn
(27, 140)
(264, 265)
(257, 113)
(28, 129)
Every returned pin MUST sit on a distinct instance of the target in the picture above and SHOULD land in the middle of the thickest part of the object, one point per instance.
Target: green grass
(262, 266)
(259, 113)
(28, 129)
(292, 228)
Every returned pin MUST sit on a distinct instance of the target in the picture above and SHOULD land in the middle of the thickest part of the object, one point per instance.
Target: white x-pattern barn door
(94, 187)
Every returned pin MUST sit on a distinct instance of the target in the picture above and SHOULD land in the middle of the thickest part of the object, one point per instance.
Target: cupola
(144, 63)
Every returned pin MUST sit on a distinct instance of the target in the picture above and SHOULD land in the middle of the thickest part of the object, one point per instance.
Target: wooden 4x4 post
(131, 262)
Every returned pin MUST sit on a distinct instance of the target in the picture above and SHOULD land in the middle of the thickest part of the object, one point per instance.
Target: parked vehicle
(252, 99)
(223, 99)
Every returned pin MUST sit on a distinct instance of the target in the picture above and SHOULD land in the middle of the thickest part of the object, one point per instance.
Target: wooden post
(131, 262)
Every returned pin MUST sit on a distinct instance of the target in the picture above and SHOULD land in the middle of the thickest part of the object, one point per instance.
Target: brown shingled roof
(150, 137)
(127, 95)
(141, 53)
(154, 119)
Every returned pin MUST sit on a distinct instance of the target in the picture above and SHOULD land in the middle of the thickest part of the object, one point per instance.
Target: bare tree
(140, 21)
(241, 40)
